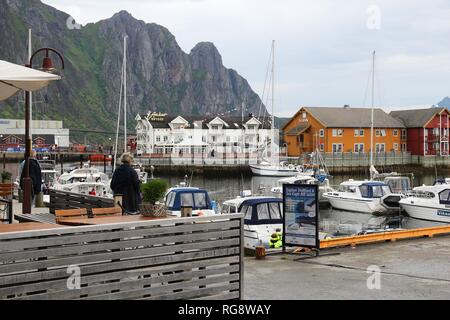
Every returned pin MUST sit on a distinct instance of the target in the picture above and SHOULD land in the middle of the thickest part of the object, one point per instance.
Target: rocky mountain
(444, 103)
(161, 77)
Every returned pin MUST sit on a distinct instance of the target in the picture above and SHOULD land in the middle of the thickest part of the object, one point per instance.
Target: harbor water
(332, 222)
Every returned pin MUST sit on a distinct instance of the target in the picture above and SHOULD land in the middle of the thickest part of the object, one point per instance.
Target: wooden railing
(60, 200)
(181, 258)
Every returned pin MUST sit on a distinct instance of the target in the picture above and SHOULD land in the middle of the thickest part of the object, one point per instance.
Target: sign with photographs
(301, 215)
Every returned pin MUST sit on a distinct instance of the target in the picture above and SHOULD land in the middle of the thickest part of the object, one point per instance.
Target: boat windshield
(374, 191)
(444, 196)
(399, 185)
(227, 208)
(170, 199)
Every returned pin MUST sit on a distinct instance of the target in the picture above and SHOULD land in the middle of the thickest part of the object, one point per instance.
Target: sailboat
(363, 196)
(142, 174)
(271, 167)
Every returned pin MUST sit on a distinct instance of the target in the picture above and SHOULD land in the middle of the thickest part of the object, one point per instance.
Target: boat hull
(273, 171)
(423, 212)
(357, 204)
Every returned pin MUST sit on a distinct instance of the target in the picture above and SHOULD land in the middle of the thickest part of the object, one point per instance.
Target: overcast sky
(323, 47)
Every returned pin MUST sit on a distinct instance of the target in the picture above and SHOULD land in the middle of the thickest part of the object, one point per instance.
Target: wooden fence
(60, 200)
(182, 258)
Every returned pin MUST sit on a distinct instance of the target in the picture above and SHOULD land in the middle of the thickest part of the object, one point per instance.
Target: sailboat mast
(125, 92)
(371, 124)
(272, 151)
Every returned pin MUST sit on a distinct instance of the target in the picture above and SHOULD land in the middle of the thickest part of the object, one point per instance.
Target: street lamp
(47, 66)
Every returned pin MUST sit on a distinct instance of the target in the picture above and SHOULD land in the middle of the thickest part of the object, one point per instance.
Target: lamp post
(47, 66)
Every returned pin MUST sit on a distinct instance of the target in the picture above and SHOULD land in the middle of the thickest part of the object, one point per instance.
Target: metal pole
(125, 92)
(371, 123)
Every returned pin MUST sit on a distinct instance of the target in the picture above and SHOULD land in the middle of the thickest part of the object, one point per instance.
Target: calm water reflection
(333, 222)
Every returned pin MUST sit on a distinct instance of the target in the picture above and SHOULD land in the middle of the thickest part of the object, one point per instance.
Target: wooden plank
(86, 248)
(201, 292)
(111, 211)
(120, 265)
(57, 240)
(92, 258)
(141, 224)
(164, 289)
(228, 264)
(26, 226)
(125, 284)
(384, 236)
(221, 296)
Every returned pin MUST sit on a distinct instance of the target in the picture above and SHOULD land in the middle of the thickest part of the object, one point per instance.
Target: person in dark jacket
(35, 175)
(125, 182)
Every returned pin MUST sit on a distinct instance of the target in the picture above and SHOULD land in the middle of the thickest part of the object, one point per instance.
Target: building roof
(416, 118)
(232, 122)
(349, 117)
(299, 129)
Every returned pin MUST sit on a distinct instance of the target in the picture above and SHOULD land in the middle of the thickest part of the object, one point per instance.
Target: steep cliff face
(160, 75)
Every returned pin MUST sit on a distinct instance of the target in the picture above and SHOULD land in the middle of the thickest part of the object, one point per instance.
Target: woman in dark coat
(125, 182)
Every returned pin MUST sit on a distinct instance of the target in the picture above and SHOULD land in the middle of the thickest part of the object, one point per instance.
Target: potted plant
(6, 177)
(152, 192)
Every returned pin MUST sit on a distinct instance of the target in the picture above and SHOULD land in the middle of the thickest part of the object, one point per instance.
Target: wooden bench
(106, 212)
(6, 197)
(71, 214)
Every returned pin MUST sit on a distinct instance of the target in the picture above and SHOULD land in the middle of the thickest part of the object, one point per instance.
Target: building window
(166, 138)
(203, 138)
(321, 133)
(403, 134)
(380, 147)
(395, 133)
(215, 127)
(380, 132)
(395, 146)
(359, 148)
(356, 132)
(403, 147)
(322, 147)
(304, 115)
(158, 138)
(338, 132)
(337, 147)
(359, 132)
(213, 138)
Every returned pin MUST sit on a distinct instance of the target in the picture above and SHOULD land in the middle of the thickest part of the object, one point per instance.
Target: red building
(427, 131)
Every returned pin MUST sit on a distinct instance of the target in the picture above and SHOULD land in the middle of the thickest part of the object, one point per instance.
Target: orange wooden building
(342, 129)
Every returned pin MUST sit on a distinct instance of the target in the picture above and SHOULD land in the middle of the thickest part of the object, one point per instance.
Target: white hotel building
(162, 135)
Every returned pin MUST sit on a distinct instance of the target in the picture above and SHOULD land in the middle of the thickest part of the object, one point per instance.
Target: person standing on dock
(35, 175)
(125, 182)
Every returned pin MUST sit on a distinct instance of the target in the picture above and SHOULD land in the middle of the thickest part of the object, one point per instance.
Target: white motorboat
(430, 203)
(195, 198)
(49, 177)
(263, 216)
(360, 196)
(85, 180)
(282, 170)
(92, 188)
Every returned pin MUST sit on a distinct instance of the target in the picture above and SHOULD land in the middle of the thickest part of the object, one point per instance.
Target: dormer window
(215, 127)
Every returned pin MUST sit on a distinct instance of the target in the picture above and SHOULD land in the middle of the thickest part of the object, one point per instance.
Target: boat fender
(200, 214)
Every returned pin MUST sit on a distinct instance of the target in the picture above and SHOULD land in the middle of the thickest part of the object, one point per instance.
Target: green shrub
(6, 176)
(154, 190)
